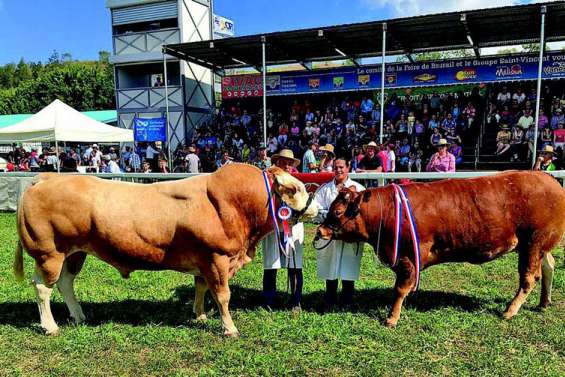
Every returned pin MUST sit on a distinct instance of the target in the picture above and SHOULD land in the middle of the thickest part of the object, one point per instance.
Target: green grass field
(145, 326)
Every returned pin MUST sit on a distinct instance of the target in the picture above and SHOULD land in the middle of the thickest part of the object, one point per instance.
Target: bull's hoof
(53, 332)
(231, 334)
(544, 305)
(81, 318)
(201, 318)
(391, 323)
(508, 315)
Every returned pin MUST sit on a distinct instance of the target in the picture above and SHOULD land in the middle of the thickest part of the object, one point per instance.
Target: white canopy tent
(60, 122)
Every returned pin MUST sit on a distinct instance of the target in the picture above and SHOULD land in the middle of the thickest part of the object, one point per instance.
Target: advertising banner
(150, 129)
(241, 86)
(400, 75)
(223, 27)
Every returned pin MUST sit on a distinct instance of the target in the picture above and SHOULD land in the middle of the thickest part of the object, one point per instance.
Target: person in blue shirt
(367, 107)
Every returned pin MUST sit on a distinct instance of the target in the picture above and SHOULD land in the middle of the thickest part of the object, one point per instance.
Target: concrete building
(139, 29)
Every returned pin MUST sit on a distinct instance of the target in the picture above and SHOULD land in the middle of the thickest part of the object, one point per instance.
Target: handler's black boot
(296, 282)
(269, 288)
(331, 295)
(347, 290)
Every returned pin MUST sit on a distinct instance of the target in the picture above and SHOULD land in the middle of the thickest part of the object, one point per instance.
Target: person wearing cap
(111, 164)
(503, 139)
(557, 117)
(559, 136)
(327, 161)
(337, 260)
(545, 161)
(262, 161)
(309, 163)
(371, 162)
(274, 259)
(442, 160)
(192, 160)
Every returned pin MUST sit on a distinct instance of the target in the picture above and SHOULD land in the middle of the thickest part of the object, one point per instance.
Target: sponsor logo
(314, 83)
(223, 26)
(557, 68)
(506, 70)
(466, 74)
(425, 77)
(364, 80)
(390, 78)
(273, 82)
(338, 82)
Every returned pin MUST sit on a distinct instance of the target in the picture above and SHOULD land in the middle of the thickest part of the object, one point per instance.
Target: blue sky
(33, 29)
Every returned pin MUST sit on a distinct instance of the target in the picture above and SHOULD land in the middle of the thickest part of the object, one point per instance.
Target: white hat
(94, 145)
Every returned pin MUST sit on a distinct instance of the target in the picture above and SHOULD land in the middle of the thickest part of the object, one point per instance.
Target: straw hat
(328, 148)
(372, 144)
(504, 126)
(442, 143)
(285, 153)
(547, 149)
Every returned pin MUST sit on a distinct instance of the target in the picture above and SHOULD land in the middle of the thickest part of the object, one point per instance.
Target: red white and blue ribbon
(401, 200)
(284, 240)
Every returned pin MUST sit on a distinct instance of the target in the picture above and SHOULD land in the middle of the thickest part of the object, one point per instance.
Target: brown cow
(208, 226)
(462, 220)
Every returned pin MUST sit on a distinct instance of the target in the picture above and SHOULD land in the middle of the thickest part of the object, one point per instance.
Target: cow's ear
(349, 193)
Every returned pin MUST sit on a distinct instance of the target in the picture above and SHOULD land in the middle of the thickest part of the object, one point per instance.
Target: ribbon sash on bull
(283, 233)
(401, 201)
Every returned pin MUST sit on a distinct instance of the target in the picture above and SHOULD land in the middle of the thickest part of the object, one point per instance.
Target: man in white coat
(338, 260)
(274, 259)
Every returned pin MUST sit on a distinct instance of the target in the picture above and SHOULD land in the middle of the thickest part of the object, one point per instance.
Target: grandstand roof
(446, 31)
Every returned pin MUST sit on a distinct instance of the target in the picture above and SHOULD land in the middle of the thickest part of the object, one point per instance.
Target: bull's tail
(19, 262)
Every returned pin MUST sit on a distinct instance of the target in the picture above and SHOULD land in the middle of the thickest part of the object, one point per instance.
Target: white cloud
(408, 8)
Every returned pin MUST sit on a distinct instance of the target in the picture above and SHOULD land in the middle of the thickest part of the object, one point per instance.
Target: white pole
(383, 85)
(540, 64)
(167, 110)
(57, 155)
(263, 43)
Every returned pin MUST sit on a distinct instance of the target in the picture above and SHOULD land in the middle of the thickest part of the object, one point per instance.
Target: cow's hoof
(201, 318)
(544, 305)
(79, 319)
(391, 323)
(231, 334)
(507, 315)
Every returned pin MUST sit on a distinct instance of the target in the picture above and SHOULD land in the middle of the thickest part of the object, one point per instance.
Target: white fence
(12, 184)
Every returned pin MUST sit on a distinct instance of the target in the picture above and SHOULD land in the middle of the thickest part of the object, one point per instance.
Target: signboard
(400, 75)
(241, 86)
(223, 27)
(150, 129)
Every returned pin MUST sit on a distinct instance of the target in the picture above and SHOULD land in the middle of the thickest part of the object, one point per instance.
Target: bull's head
(343, 220)
(293, 193)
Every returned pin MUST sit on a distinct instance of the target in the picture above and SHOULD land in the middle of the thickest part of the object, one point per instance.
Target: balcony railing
(149, 98)
(150, 41)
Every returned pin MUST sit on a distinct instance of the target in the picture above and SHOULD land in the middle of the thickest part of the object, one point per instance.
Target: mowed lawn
(145, 326)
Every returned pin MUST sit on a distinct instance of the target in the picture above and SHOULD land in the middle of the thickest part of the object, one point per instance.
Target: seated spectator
(517, 142)
(556, 118)
(456, 150)
(371, 162)
(545, 161)
(469, 114)
(404, 153)
(435, 137)
(526, 120)
(224, 160)
(146, 167)
(504, 96)
(452, 137)
(415, 157)
(448, 123)
(519, 97)
(503, 140)
(559, 137)
(328, 157)
(442, 160)
(542, 121)
(546, 137)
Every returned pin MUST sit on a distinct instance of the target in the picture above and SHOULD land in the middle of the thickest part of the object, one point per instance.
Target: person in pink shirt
(442, 160)
(384, 157)
(559, 136)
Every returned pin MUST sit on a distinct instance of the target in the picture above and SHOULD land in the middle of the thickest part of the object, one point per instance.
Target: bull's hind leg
(46, 274)
(405, 280)
(71, 267)
(547, 268)
(217, 279)
(529, 268)
(200, 289)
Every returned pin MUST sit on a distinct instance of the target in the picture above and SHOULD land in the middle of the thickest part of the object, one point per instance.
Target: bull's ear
(349, 193)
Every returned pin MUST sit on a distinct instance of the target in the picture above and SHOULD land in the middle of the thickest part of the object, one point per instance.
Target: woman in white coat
(274, 259)
(338, 260)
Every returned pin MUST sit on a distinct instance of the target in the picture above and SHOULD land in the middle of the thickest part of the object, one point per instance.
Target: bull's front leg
(405, 280)
(200, 288)
(217, 279)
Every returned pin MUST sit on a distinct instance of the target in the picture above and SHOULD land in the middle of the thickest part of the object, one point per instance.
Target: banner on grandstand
(150, 129)
(399, 75)
(223, 27)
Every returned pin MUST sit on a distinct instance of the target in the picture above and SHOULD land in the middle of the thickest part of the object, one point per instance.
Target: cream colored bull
(207, 226)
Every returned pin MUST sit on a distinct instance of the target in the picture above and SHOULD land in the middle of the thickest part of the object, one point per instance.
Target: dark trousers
(347, 290)
(270, 286)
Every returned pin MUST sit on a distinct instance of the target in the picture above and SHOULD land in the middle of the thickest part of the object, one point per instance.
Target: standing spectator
(469, 113)
(225, 160)
(383, 154)
(442, 160)
(415, 158)
(367, 107)
(192, 160)
(111, 164)
(152, 156)
(134, 162)
(262, 161)
(309, 163)
(34, 160)
(327, 161)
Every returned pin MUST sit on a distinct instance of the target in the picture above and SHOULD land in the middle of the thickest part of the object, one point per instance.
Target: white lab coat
(273, 259)
(338, 260)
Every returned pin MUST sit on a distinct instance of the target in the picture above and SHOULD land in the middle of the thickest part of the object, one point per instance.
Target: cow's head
(343, 220)
(293, 193)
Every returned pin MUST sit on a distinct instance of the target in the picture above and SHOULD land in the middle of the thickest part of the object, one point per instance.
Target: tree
(66, 57)
(23, 72)
(54, 58)
(103, 56)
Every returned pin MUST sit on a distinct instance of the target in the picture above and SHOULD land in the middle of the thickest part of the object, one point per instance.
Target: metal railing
(145, 41)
